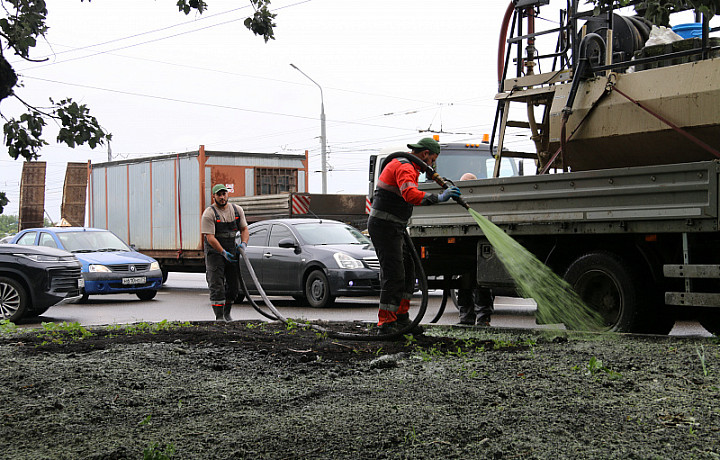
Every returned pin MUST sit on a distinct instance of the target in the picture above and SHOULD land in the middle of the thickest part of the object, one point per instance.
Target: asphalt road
(185, 298)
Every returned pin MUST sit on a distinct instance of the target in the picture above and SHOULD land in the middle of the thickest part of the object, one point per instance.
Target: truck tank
(633, 105)
(619, 133)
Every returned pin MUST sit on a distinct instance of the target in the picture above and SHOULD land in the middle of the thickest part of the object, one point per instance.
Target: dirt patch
(258, 390)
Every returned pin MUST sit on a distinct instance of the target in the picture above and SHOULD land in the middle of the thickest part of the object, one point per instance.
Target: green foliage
(322, 335)
(430, 353)
(8, 224)
(262, 325)
(261, 23)
(24, 22)
(23, 138)
(78, 126)
(148, 328)
(21, 29)
(701, 355)
(595, 366)
(409, 340)
(7, 327)
(58, 333)
(411, 437)
(156, 452)
(187, 6)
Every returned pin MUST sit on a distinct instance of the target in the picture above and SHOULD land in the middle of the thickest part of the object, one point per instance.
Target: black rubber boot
(218, 310)
(226, 311)
(403, 320)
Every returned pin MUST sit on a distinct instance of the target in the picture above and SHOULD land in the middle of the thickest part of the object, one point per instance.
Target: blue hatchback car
(109, 266)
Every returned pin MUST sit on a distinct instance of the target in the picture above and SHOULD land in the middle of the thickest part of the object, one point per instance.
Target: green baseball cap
(218, 188)
(426, 143)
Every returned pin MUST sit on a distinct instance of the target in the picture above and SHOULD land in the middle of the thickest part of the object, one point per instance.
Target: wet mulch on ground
(253, 390)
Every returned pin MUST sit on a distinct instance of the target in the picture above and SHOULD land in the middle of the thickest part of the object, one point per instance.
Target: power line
(206, 104)
(157, 39)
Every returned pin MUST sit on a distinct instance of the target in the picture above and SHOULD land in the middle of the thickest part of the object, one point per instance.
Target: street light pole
(323, 138)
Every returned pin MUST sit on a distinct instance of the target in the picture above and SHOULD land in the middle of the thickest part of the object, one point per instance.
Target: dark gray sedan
(312, 260)
(34, 278)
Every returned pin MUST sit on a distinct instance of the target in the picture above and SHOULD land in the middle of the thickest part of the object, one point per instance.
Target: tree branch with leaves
(24, 23)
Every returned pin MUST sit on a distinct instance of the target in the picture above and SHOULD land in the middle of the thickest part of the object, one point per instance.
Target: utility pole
(323, 138)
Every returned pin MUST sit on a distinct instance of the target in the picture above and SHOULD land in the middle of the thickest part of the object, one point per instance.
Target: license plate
(135, 280)
(81, 283)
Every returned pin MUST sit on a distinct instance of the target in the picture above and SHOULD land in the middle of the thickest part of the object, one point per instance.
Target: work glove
(242, 245)
(450, 192)
(229, 257)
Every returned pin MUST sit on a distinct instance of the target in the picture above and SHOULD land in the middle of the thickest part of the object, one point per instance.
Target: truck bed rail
(679, 197)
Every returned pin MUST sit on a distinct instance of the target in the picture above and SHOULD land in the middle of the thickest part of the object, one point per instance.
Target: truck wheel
(13, 300)
(240, 297)
(146, 295)
(317, 290)
(709, 318)
(608, 285)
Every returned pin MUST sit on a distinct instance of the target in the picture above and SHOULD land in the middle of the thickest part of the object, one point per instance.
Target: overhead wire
(225, 106)
(160, 38)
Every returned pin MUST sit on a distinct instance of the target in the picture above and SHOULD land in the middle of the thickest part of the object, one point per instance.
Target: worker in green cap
(395, 195)
(219, 224)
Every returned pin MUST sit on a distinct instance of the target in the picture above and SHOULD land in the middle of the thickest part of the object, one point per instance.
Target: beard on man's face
(220, 200)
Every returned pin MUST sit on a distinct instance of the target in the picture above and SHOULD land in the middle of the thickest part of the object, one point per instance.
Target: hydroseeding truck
(625, 202)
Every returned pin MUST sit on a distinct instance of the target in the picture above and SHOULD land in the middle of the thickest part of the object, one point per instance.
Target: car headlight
(94, 268)
(155, 266)
(345, 261)
(41, 257)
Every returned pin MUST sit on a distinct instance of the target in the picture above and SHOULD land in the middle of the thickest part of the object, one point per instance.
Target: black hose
(443, 303)
(252, 302)
(584, 67)
(350, 335)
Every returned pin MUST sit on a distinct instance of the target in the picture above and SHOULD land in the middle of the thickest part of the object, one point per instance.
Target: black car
(312, 260)
(34, 278)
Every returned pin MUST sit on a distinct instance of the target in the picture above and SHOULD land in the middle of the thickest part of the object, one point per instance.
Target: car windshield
(91, 242)
(329, 233)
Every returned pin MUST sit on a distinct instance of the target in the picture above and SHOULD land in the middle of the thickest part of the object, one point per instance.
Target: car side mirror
(289, 243)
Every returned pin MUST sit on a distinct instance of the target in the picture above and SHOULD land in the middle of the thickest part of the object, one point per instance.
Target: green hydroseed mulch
(557, 301)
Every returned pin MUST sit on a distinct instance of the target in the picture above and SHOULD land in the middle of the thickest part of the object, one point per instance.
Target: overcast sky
(162, 82)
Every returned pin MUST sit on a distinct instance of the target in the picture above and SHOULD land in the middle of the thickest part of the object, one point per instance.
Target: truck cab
(455, 159)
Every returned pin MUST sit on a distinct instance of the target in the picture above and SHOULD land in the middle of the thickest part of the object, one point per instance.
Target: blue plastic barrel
(689, 30)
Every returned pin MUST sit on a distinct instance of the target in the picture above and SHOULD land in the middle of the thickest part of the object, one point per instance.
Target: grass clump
(595, 366)
(148, 328)
(7, 327)
(59, 333)
(157, 452)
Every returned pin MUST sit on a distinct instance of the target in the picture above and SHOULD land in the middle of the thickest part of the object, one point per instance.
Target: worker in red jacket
(395, 195)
